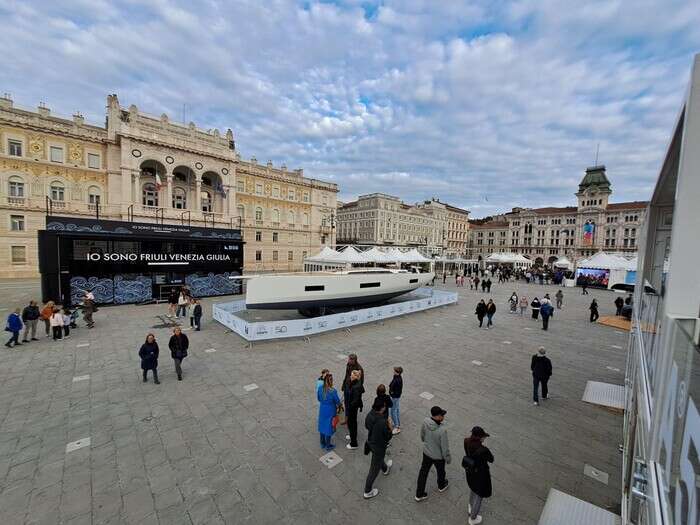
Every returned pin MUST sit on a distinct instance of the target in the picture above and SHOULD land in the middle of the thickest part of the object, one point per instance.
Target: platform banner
(424, 298)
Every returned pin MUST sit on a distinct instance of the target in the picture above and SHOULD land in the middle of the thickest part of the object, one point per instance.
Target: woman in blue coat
(329, 403)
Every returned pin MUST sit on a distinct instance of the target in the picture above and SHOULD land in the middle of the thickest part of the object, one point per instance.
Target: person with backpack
(378, 437)
(14, 326)
(476, 465)
(546, 310)
(436, 451)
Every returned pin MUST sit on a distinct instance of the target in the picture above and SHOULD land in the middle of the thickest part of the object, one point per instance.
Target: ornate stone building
(379, 219)
(149, 169)
(547, 234)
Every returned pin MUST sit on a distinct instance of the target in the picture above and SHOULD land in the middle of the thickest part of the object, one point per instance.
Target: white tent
(563, 263)
(415, 256)
(376, 256)
(325, 255)
(604, 261)
(350, 255)
(509, 258)
(396, 255)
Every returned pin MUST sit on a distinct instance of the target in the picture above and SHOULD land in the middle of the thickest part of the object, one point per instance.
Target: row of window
(275, 255)
(57, 191)
(56, 153)
(276, 193)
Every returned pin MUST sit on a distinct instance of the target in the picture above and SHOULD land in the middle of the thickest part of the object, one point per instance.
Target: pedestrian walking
(66, 323)
(383, 397)
(149, 358)
(45, 315)
(594, 311)
(30, 318)
(354, 406)
(329, 405)
(476, 462)
(547, 310)
(395, 390)
(197, 315)
(480, 312)
(488, 285)
(541, 368)
(178, 345)
(352, 364)
(378, 437)
(490, 312)
(619, 303)
(535, 305)
(436, 451)
(444, 277)
(584, 288)
(559, 296)
(476, 282)
(172, 302)
(513, 303)
(523, 305)
(14, 326)
(57, 324)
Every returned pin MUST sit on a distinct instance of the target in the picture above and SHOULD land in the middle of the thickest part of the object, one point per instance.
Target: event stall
(602, 270)
(517, 260)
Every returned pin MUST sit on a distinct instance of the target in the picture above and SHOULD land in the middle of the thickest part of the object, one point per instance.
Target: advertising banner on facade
(419, 300)
(588, 233)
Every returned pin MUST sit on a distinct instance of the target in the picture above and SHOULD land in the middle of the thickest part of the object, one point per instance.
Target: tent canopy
(325, 255)
(508, 258)
(604, 261)
(376, 256)
(563, 263)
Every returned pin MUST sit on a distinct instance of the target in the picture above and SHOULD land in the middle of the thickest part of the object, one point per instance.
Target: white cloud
(465, 101)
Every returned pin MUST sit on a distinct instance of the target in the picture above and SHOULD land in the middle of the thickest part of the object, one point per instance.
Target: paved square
(204, 450)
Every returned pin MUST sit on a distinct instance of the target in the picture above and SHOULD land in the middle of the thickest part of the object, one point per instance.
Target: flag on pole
(220, 189)
(159, 183)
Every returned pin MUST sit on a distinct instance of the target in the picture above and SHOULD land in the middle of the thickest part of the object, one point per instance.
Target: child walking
(56, 321)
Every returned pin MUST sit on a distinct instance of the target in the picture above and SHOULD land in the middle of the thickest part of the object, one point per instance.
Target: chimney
(43, 110)
(253, 160)
(269, 163)
(6, 101)
(78, 118)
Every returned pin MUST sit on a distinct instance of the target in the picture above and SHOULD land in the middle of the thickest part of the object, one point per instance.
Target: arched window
(15, 187)
(206, 201)
(306, 219)
(240, 209)
(149, 195)
(258, 214)
(179, 199)
(57, 191)
(93, 195)
(276, 216)
(290, 217)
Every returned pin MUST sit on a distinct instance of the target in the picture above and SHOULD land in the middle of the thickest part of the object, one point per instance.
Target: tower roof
(595, 178)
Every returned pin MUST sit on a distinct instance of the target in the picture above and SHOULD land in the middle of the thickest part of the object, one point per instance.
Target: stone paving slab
(205, 450)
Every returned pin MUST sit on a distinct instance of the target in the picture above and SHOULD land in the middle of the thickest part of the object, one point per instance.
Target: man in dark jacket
(546, 311)
(354, 402)
(30, 318)
(479, 473)
(541, 368)
(178, 350)
(197, 315)
(619, 303)
(480, 312)
(378, 437)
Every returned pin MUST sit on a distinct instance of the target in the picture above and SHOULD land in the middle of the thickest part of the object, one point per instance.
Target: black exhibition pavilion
(131, 262)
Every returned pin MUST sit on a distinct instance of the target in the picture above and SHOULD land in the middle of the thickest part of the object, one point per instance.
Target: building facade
(148, 169)
(547, 234)
(435, 228)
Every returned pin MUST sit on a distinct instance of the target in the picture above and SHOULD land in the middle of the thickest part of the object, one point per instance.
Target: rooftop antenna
(597, 148)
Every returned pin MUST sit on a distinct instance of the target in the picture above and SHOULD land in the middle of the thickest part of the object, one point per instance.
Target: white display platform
(416, 301)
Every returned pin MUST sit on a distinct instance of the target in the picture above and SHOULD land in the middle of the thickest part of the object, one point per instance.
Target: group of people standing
(58, 320)
(383, 423)
(183, 304)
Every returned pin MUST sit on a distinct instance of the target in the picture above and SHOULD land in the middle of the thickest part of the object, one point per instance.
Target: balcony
(58, 205)
(16, 201)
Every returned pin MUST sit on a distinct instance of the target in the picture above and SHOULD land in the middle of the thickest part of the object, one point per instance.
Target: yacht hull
(313, 291)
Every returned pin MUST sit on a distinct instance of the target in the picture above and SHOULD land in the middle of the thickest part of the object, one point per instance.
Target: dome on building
(595, 178)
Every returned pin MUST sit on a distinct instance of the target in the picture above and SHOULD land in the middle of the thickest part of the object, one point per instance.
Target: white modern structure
(662, 421)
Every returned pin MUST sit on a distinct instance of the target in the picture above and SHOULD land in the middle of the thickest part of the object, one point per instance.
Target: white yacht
(311, 293)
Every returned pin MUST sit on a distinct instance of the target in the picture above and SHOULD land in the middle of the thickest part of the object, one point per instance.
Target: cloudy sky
(485, 104)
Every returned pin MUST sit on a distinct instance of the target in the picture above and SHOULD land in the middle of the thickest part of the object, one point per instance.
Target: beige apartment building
(144, 168)
(379, 219)
(547, 234)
